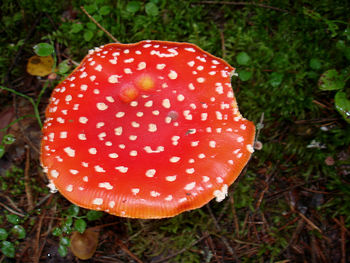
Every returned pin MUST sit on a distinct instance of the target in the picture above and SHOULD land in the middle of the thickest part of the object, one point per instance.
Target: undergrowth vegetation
(292, 202)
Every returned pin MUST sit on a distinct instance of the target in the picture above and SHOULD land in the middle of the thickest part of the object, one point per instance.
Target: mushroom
(145, 130)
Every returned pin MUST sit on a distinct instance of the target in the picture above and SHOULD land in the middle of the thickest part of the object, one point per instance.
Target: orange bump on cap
(145, 82)
(128, 93)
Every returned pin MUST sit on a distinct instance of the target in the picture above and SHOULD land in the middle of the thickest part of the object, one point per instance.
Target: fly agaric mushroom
(145, 130)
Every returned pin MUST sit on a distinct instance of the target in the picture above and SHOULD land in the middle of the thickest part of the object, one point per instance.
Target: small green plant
(73, 222)
(6, 140)
(9, 238)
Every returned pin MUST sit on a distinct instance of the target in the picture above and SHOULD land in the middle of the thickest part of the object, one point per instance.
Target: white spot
(219, 180)
(187, 114)
(101, 106)
(126, 51)
(106, 185)
(191, 63)
(128, 60)
(85, 179)
(113, 155)
(172, 74)
(133, 153)
(200, 68)
(99, 169)
(139, 114)
(190, 186)
(114, 79)
(68, 98)
(121, 146)
(69, 151)
(155, 194)
(242, 127)
(190, 170)
(160, 66)
(191, 87)
(98, 68)
(141, 66)
(113, 61)
(92, 151)
(194, 143)
(69, 188)
(120, 114)
(190, 49)
(250, 148)
(135, 124)
(135, 191)
(200, 80)
(182, 200)
(127, 71)
(72, 171)
(152, 127)
(122, 169)
(134, 103)
(170, 178)
(97, 201)
(149, 103)
(60, 120)
(83, 75)
(150, 172)
(82, 136)
(180, 97)
(118, 131)
(63, 135)
(174, 159)
(205, 179)
(132, 137)
(201, 155)
(204, 116)
(83, 120)
(155, 112)
(212, 144)
(84, 164)
(219, 89)
(240, 139)
(83, 87)
(102, 136)
(100, 124)
(221, 194)
(111, 204)
(54, 173)
(166, 103)
(168, 198)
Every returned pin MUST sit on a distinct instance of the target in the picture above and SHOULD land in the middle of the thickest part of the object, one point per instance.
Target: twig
(11, 210)
(97, 24)
(127, 251)
(309, 222)
(243, 3)
(12, 203)
(37, 250)
(166, 259)
(27, 180)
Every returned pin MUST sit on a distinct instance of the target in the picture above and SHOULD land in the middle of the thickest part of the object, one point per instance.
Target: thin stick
(98, 24)
(243, 3)
(27, 181)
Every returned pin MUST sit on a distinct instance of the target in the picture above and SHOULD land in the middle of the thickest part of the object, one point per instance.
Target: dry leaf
(40, 66)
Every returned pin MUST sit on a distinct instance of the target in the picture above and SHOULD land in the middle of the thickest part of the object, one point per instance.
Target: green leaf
(8, 139)
(276, 79)
(331, 80)
(73, 210)
(64, 241)
(43, 49)
(342, 104)
(62, 250)
(245, 75)
(91, 26)
(105, 10)
(57, 231)
(151, 9)
(315, 63)
(3, 234)
(13, 219)
(76, 28)
(2, 150)
(94, 215)
(243, 58)
(18, 231)
(133, 6)
(8, 249)
(64, 67)
(88, 35)
(80, 225)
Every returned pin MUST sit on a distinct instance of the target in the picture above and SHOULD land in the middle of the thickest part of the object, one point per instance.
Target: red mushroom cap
(145, 130)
